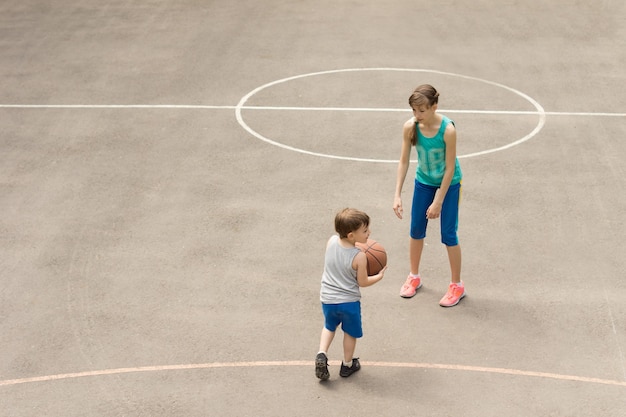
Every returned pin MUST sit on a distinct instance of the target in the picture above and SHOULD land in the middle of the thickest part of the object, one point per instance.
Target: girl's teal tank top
(431, 157)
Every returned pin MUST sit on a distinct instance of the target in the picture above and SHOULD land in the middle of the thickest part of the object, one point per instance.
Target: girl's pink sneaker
(410, 286)
(453, 296)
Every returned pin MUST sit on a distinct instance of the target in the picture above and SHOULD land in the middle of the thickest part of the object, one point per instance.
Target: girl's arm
(408, 131)
(449, 137)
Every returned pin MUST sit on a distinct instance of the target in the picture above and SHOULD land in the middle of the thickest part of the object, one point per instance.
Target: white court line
(114, 106)
(288, 108)
(382, 110)
(244, 102)
(410, 365)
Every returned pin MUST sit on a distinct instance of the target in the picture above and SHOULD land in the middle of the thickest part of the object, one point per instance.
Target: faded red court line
(161, 368)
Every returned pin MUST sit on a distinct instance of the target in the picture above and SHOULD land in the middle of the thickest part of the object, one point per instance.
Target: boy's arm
(361, 271)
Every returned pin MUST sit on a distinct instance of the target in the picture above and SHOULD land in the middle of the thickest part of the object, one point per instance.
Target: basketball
(376, 256)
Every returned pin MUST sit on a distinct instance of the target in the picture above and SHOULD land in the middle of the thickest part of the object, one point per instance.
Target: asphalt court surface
(171, 169)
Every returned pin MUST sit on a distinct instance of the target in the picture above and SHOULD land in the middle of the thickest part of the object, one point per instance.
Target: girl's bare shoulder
(450, 129)
(409, 125)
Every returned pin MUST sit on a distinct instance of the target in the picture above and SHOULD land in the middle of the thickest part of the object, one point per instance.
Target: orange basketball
(376, 256)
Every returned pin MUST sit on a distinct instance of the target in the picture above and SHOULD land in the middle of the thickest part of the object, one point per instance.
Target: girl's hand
(433, 211)
(397, 207)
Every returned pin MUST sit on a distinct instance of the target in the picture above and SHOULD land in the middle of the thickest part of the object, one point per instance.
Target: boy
(345, 270)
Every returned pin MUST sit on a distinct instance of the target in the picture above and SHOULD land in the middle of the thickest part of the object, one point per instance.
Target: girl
(437, 188)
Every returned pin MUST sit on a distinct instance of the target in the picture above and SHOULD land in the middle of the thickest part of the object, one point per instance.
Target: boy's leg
(331, 321)
(321, 360)
(353, 365)
(352, 329)
(349, 346)
(326, 339)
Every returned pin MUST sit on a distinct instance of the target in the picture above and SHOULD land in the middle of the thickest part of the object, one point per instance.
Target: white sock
(348, 364)
(460, 284)
(414, 275)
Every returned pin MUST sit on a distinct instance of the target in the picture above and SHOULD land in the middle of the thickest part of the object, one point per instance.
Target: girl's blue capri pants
(423, 197)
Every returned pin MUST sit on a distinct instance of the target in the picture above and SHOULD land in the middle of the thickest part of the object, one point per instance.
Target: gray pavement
(170, 171)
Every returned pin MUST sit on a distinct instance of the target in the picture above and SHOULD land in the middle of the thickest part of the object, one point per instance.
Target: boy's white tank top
(339, 284)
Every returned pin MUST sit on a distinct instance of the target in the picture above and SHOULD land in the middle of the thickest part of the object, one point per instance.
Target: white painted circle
(540, 112)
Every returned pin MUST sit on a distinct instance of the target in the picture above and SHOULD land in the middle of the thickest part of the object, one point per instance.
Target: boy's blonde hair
(348, 220)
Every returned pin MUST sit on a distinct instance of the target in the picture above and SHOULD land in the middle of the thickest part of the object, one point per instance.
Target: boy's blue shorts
(346, 314)
(423, 197)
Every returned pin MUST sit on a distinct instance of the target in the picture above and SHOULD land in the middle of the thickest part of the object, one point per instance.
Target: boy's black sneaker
(347, 371)
(321, 366)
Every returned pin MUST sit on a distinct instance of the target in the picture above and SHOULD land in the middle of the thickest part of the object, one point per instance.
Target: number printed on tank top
(435, 161)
